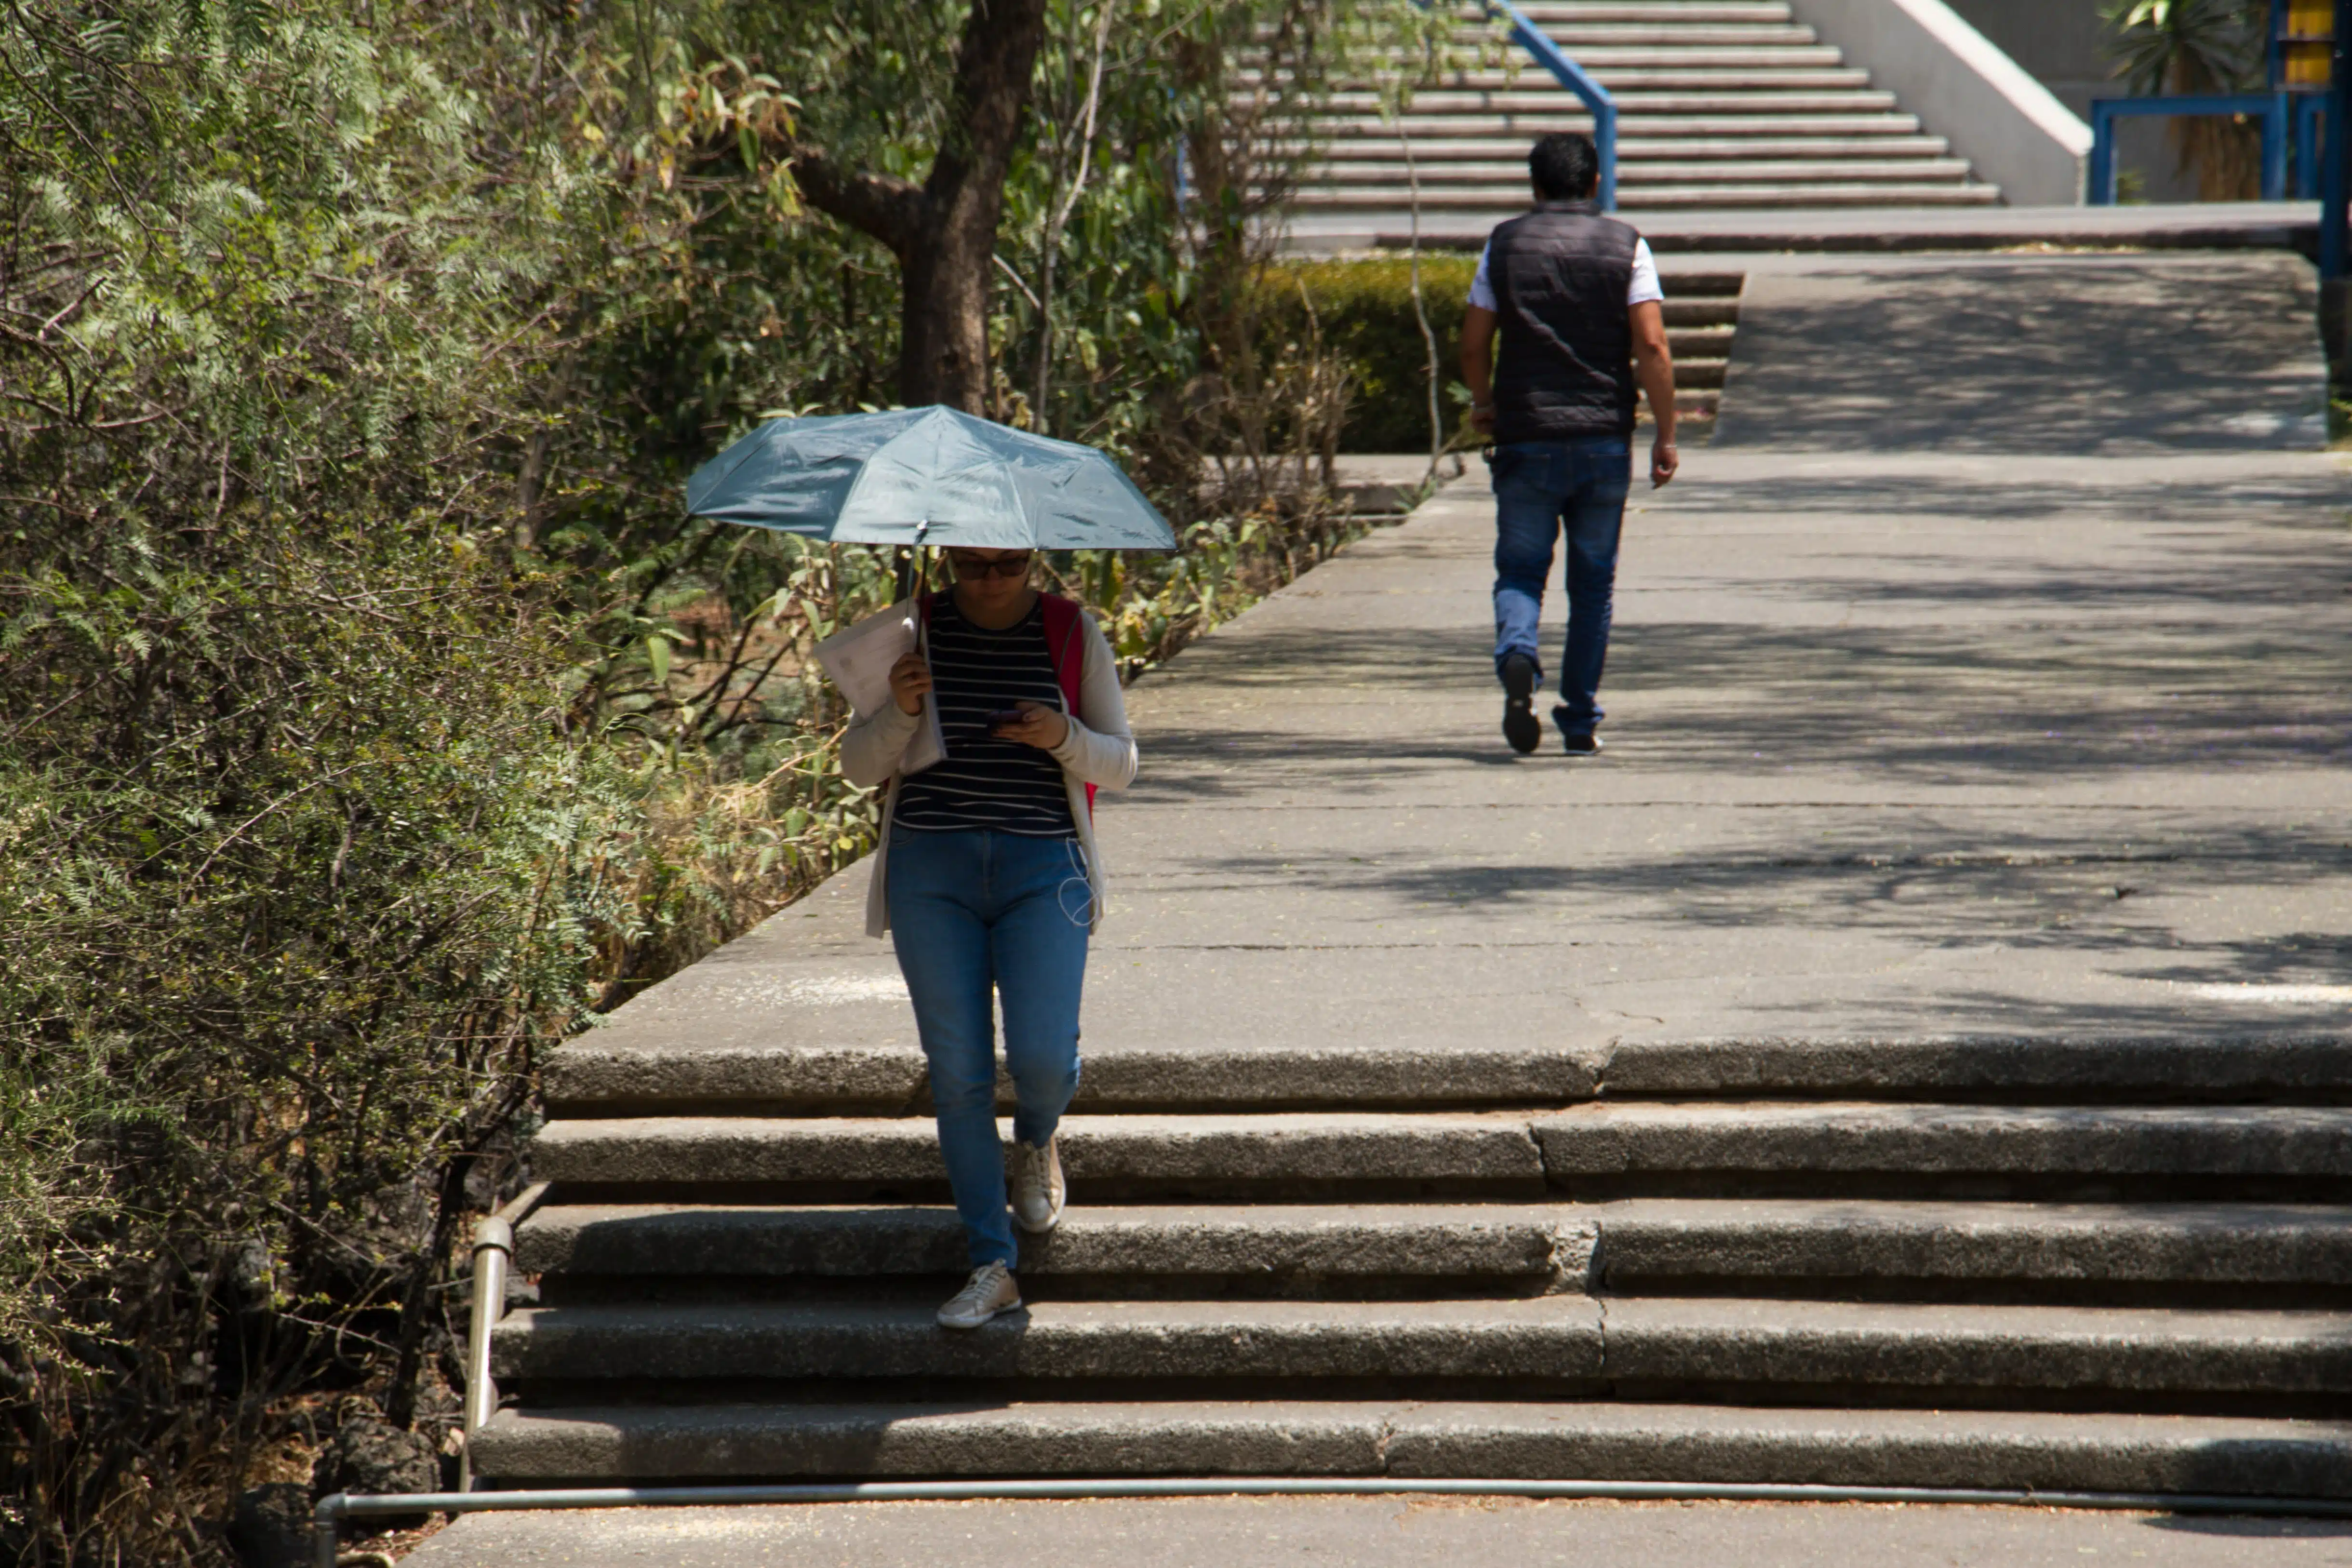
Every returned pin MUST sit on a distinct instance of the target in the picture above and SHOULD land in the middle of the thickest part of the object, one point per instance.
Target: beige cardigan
(1099, 749)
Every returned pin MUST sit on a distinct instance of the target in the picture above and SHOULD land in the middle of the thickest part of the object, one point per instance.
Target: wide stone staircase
(2116, 1265)
(1722, 105)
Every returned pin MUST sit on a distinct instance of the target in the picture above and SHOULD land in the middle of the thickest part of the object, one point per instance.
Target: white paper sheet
(859, 659)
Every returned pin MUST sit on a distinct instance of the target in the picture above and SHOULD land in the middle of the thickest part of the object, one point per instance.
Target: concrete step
(1792, 68)
(1699, 343)
(1525, 1241)
(1738, 1347)
(1732, 198)
(1579, 39)
(1623, 62)
(1690, 281)
(1752, 1138)
(1640, 1244)
(1547, 1337)
(1691, 403)
(1681, 13)
(1466, 1152)
(1696, 314)
(1512, 153)
(1633, 105)
(1560, 1440)
(1588, 1149)
(1667, 198)
(634, 1067)
(1525, 125)
(1438, 174)
(1651, 1243)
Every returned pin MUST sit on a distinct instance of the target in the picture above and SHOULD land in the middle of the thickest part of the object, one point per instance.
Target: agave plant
(2196, 47)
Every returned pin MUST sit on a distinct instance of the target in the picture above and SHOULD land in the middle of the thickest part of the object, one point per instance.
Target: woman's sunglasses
(973, 567)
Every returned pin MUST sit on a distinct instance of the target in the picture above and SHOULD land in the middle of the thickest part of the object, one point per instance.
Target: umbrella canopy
(926, 476)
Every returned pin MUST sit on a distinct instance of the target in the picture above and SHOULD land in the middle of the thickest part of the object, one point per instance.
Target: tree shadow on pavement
(2030, 356)
(1941, 705)
(2251, 1527)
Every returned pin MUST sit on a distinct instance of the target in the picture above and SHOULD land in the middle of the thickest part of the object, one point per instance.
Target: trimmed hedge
(1364, 309)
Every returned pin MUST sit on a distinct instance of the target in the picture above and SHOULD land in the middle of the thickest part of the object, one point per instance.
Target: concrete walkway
(1905, 744)
(1377, 1533)
(2120, 353)
(2047, 740)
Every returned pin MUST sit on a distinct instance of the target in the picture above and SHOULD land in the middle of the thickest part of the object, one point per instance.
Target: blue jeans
(1541, 489)
(975, 910)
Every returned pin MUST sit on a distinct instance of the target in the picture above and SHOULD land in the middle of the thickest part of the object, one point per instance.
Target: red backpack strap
(1066, 646)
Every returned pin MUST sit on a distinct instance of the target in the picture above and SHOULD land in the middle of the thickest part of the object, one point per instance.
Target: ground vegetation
(1363, 314)
(370, 717)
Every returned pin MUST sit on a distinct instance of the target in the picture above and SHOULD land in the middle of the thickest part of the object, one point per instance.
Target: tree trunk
(943, 316)
(944, 231)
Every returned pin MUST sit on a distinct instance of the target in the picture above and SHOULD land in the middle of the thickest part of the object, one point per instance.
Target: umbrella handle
(909, 573)
(911, 562)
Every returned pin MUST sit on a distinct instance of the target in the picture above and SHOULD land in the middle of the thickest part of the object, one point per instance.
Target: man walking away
(1576, 295)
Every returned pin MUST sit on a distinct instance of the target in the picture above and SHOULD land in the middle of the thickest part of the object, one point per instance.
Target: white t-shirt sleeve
(1641, 286)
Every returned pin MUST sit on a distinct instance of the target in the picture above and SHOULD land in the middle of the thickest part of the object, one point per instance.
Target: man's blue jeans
(1542, 488)
(975, 910)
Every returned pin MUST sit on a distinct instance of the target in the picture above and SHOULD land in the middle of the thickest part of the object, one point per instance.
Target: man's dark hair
(1566, 166)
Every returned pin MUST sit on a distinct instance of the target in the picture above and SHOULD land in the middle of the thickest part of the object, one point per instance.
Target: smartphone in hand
(1004, 717)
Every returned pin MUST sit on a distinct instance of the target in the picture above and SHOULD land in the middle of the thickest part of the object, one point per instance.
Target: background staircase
(1722, 105)
(1702, 310)
(2001, 1263)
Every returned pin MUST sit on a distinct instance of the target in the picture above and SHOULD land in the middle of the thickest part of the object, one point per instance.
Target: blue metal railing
(1571, 75)
(2288, 119)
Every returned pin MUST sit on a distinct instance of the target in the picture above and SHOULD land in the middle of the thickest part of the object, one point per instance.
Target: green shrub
(370, 715)
(1364, 313)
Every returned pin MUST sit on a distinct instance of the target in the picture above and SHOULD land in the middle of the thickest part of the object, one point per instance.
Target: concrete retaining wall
(2003, 121)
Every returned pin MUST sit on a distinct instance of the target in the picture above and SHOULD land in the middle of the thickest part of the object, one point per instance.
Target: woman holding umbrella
(988, 879)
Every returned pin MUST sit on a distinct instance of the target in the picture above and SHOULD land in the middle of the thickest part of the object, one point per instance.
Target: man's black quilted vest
(1566, 368)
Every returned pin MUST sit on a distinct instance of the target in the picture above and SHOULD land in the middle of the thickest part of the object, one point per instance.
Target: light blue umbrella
(926, 476)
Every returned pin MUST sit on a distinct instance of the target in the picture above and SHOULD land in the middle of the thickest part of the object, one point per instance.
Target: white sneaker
(989, 1291)
(1038, 1190)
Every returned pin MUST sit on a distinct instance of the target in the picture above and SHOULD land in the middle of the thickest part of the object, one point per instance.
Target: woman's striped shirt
(985, 782)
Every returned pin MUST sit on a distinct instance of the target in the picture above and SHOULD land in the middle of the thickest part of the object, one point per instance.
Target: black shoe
(1584, 745)
(1519, 726)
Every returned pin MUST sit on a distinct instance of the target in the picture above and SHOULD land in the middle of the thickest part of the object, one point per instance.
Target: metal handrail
(493, 1254)
(1571, 76)
(2284, 114)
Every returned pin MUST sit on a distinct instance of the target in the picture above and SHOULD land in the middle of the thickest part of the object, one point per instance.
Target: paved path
(2120, 353)
(1910, 743)
(1377, 1533)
